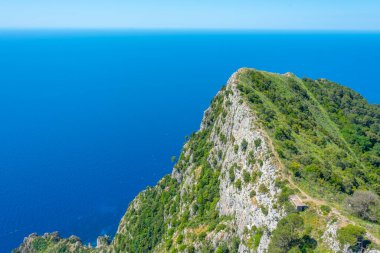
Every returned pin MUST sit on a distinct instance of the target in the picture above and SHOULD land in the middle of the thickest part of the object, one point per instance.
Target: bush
(222, 248)
(244, 145)
(350, 234)
(263, 189)
(325, 209)
(246, 176)
(236, 149)
(252, 194)
(251, 158)
(179, 239)
(257, 143)
(168, 243)
(257, 238)
(284, 195)
(287, 234)
(238, 184)
(264, 210)
(255, 174)
(364, 204)
(232, 174)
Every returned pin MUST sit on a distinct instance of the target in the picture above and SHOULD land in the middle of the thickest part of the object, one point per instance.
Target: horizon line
(197, 29)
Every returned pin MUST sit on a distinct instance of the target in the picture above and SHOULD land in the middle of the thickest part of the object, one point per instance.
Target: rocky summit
(279, 164)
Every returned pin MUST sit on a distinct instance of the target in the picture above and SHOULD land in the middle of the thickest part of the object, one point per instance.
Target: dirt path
(306, 197)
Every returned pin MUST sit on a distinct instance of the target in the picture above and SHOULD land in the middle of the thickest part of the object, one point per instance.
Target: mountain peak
(268, 171)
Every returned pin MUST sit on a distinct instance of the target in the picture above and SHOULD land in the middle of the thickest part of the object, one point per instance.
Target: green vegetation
(238, 184)
(325, 133)
(255, 237)
(236, 149)
(231, 174)
(244, 145)
(158, 207)
(351, 235)
(325, 209)
(255, 175)
(328, 138)
(263, 189)
(257, 143)
(53, 243)
(291, 236)
(287, 234)
(246, 176)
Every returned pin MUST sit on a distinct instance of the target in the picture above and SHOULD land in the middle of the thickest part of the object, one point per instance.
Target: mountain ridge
(229, 191)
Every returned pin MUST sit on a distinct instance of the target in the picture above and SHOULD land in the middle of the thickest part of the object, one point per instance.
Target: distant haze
(196, 14)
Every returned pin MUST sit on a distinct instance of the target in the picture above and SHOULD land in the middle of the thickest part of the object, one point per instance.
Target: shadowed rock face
(228, 191)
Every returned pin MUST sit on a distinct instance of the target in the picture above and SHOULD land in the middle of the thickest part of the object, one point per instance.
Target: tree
(364, 204)
(351, 235)
(287, 234)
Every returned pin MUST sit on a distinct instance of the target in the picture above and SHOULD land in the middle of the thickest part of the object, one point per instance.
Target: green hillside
(327, 135)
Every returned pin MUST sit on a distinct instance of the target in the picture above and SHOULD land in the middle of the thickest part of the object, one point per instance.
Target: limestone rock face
(240, 126)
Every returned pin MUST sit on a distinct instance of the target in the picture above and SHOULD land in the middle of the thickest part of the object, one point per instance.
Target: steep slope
(265, 137)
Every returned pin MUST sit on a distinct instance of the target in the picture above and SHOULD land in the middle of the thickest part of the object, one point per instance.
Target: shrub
(222, 248)
(202, 236)
(168, 243)
(286, 234)
(257, 143)
(238, 184)
(264, 210)
(246, 176)
(236, 149)
(40, 244)
(284, 195)
(364, 204)
(180, 239)
(232, 174)
(257, 238)
(235, 244)
(251, 158)
(350, 234)
(325, 209)
(191, 249)
(244, 145)
(263, 189)
(256, 174)
(220, 227)
(252, 194)
(295, 167)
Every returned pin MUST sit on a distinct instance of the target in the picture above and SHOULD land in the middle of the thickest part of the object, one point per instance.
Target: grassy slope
(310, 123)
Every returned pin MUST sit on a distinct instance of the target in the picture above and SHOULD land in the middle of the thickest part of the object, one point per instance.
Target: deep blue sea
(90, 118)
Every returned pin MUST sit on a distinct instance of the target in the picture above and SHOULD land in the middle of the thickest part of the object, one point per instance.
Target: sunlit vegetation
(327, 135)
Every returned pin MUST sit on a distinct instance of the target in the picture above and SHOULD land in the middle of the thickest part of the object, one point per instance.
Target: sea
(89, 118)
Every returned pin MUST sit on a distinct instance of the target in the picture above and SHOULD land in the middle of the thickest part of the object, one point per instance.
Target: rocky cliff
(230, 189)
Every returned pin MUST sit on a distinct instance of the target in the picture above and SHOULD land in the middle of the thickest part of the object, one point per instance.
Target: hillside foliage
(327, 135)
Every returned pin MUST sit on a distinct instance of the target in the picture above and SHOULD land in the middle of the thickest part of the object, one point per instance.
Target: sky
(192, 14)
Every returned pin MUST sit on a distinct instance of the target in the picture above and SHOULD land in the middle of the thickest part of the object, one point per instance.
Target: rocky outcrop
(246, 152)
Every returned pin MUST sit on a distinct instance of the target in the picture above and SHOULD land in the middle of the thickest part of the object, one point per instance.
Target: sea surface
(90, 118)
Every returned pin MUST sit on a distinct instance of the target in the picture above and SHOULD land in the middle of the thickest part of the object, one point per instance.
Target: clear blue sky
(230, 14)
